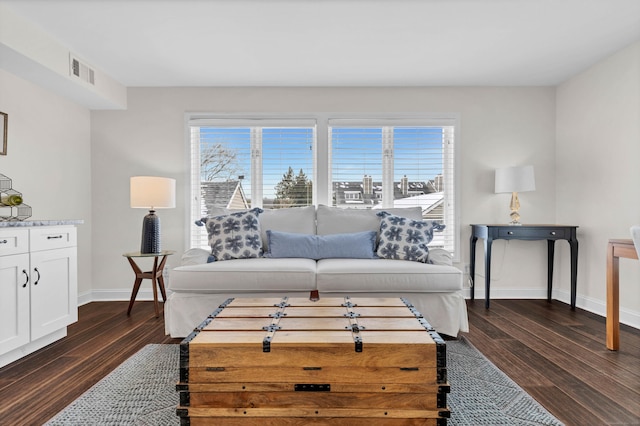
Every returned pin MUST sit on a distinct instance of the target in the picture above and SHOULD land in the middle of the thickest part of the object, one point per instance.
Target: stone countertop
(29, 223)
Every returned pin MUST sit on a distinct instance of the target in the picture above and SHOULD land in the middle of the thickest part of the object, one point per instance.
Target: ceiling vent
(81, 70)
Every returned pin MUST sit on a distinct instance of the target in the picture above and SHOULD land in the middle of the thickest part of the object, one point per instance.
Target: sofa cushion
(405, 239)
(385, 275)
(358, 245)
(296, 219)
(235, 236)
(336, 220)
(439, 256)
(195, 256)
(245, 275)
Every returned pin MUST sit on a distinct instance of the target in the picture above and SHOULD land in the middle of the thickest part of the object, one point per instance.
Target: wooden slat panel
(296, 356)
(409, 338)
(254, 301)
(377, 301)
(317, 338)
(335, 387)
(249, 413)
(305, 323)
(325, 375)
(304, 421)
(383, 311)
(236, 324)
(326, 301)
(386, 324)
(247, 312)
(386, 400)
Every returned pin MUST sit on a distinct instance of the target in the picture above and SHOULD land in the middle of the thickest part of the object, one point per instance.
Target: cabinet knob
(4, 242)
(553, 232)
(510, 232)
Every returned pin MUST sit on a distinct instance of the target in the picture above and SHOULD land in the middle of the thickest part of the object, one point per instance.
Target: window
(237, 164)
(387, 163)
(368, 162)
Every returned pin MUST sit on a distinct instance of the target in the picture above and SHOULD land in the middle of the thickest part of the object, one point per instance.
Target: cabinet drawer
(48, 238)
(533, 233)
(14, 241)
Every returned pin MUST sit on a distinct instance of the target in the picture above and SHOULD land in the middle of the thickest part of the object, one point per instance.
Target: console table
(551, 233)
(615, 250)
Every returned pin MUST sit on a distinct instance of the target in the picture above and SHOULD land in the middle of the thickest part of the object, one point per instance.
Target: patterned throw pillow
(235, 236)
(405, 239)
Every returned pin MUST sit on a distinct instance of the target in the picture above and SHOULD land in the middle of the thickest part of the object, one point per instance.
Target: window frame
(322, 185)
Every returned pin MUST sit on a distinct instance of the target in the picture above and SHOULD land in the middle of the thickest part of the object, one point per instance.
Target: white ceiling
(337, 42)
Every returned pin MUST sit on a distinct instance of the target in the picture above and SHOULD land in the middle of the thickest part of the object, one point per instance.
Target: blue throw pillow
(405, 239)
(235, 236)
(358, 245)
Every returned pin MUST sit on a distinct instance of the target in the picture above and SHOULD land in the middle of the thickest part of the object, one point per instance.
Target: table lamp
(152, 193)
(514, 180)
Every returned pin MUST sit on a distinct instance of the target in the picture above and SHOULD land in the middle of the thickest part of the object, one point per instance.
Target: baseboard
(598, 307)
(595, 306)
(31, 347)
(115, 296)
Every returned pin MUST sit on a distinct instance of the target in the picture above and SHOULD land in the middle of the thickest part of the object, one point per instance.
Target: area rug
(142, 392)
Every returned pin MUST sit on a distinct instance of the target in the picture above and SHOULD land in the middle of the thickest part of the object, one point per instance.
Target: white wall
(598, 172)
(29, 52)
(499, 127)
(49, 158)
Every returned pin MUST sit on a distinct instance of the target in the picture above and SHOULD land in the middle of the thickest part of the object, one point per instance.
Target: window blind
(380, 164)
(238, 164)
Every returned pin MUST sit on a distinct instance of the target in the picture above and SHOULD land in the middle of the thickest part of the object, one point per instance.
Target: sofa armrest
(438, 256)
(195, 256)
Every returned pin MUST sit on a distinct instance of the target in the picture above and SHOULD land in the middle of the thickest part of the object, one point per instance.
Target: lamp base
(515, 206)
(150, 234)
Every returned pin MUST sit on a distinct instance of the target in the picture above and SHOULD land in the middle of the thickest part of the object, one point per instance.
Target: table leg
(161, 279)
(487, 270)
(136, 283)
(134, 293)
(613, 300)
(154, 278)
(574, 271)
(551, 244)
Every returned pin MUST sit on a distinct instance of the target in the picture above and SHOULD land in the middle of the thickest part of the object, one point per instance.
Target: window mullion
(256, 167)
(387, 167)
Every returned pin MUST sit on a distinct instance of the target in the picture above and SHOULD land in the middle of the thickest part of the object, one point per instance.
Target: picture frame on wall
(4, 121)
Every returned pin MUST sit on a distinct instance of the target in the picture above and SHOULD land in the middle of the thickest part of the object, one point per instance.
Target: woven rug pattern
(142, 392)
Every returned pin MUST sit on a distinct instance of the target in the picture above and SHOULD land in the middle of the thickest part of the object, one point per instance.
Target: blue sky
(356, 152)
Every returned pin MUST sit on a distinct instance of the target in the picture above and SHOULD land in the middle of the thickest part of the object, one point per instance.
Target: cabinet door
(14, 302)
(54, 290)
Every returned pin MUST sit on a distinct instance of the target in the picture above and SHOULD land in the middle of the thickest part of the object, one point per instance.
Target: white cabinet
(14, 301)
(38, 288)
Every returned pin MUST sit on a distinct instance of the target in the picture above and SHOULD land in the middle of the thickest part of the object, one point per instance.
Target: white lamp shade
(152, 192)
(515, 179)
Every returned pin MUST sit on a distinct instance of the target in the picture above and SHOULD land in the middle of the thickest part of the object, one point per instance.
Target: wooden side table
(615, 250)
(155, 275)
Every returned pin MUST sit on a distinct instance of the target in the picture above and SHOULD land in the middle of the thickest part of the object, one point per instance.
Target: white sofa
(197, 288)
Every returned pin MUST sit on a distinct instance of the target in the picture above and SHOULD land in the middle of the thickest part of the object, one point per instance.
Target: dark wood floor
(555, 354)
(560, 358)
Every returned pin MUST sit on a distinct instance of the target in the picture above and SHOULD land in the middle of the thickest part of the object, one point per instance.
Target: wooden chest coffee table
(293, 361)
